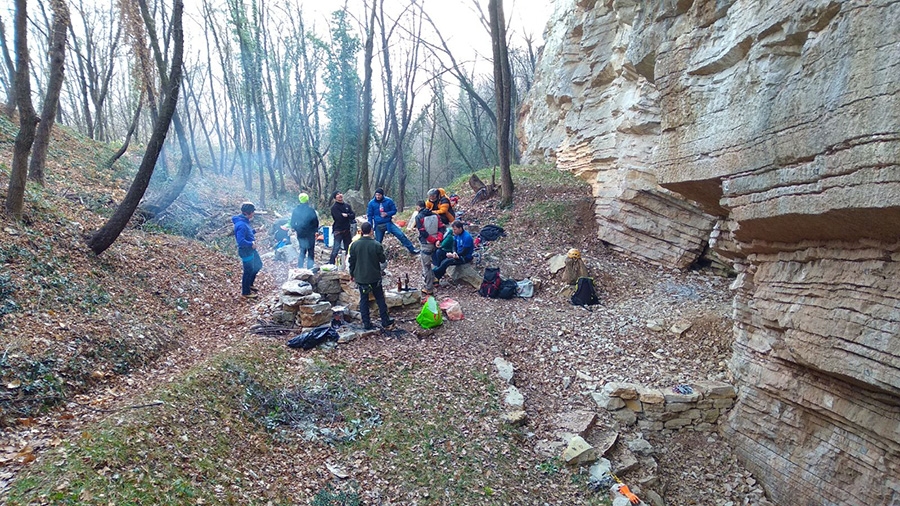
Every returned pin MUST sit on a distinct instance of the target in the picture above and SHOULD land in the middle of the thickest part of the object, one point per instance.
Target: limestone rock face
(781, 119)
(593, 111)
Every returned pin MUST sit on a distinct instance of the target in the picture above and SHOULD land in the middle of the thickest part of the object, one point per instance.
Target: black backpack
(492, 232)
(585, 294)
(507, 289)
(490, 285)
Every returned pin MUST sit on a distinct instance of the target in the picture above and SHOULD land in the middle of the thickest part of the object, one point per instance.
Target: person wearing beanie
(380, 213)
(245, 237)
(305, 223)
(344, 218)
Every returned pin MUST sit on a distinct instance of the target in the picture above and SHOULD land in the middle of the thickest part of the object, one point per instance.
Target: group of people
(438, 249)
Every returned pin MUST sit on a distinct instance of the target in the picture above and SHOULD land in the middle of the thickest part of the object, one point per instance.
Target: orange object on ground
(401, 223)
(628, 495)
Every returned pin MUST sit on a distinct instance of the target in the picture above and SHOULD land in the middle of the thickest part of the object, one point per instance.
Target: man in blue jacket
(464, 250)
(245, 237)
(305, 223)
(380, 213)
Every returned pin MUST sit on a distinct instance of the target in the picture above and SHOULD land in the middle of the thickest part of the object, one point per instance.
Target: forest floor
(132, 377)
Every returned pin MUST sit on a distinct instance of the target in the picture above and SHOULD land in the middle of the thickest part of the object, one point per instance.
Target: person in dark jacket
(305, 223)
(380, 213)
(245, 237)
(366, 258)
(344, 217)
(464, 250)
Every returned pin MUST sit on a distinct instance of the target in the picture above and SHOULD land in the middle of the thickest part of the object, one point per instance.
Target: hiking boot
(415, 251)
(388, 323)
(369, 327)
(253, 289)
(250, 296)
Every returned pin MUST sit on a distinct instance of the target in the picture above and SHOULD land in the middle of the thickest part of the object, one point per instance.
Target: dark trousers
(307, 251)
(440, 270)
(341, 240)
(252, 265)
(378, 291)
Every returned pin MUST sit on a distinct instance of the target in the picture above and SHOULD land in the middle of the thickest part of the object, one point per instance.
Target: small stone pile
(301, 303)
(657, 410)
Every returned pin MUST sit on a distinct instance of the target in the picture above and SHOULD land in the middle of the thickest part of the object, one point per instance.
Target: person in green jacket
(366, 259)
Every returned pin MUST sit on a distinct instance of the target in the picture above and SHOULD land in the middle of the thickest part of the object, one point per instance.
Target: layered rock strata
(782, 120)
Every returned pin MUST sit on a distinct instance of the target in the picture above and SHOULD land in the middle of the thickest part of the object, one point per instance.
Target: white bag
(525, 288)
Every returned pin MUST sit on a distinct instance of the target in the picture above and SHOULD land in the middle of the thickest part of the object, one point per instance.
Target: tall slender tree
(54, 85)
(28, 119)
(502, 95)
(110, 231)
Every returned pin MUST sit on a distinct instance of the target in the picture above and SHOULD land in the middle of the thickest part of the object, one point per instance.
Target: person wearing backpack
(430, 230)
(305, 223)
(439, 203)
(464, 249)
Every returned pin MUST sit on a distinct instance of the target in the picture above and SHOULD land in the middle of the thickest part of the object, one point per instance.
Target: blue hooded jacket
(244, 235)
(374, 214)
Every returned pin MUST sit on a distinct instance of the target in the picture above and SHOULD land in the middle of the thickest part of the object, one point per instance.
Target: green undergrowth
(225, 432)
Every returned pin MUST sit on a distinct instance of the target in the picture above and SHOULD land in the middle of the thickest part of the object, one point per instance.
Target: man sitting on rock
(463, 251)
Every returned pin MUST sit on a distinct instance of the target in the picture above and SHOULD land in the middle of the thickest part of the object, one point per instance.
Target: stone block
(723, 403)
(621, 390)
(677, 423)
(692, 414)
(315, 319)
(505, 369)
(604, 401)
(704, 427)
(314, 308)
(653, 425)
(513, 397)
(579, 422)
(710, 415)
(517, 417)
(716, 389)
(579, 452)
(467, 273)
(672, 397)
(651, 395)
(624, 415)
(634, 405)
(296, 287)
(678, 407)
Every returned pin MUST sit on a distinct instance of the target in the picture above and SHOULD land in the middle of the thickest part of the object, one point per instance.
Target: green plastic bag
(430, 315)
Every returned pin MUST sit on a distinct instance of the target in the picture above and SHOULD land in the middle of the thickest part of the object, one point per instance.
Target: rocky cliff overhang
(776, 126)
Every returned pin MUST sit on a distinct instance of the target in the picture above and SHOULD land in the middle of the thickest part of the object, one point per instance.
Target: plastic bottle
(399, 285)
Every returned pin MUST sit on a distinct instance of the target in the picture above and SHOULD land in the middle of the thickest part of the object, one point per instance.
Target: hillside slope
(145, 350)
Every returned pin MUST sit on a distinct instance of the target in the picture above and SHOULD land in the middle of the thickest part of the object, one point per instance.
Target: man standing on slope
(305, 223)
(245, 237)
(366, 258)
(380, 213)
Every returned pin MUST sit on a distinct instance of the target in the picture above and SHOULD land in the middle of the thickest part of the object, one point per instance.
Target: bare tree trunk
(184, 166)
(10, 105)
(104, 237)
(54, 85)
(367, 106)
(502, 88)
(15, 196)
(134, 121)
